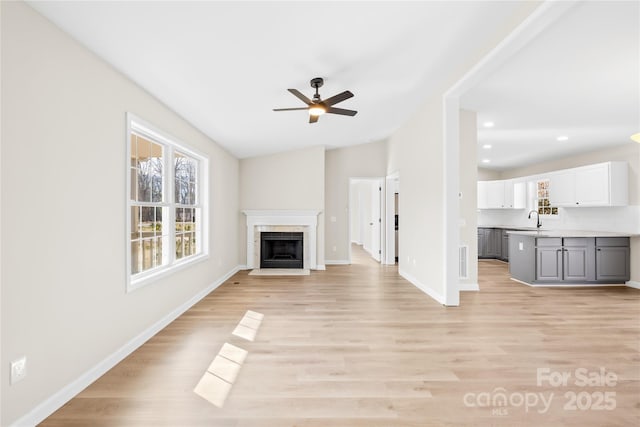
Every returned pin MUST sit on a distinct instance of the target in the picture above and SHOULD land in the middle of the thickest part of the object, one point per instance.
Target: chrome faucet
(538, 223)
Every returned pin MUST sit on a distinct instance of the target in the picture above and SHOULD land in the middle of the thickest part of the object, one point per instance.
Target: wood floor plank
(357, 346)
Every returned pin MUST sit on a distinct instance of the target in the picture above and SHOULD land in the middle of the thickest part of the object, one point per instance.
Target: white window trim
(171, 143)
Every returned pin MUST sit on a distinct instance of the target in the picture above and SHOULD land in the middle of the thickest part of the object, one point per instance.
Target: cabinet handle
(577, 203)
(598, 249)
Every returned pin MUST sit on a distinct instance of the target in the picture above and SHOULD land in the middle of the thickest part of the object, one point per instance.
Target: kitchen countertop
(569, 233)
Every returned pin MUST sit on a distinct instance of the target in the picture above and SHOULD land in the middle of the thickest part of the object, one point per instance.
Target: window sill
(151, 277)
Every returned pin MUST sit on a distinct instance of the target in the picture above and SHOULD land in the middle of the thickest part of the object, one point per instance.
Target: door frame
(381, 182)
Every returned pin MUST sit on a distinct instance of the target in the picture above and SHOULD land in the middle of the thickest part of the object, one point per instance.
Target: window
(165, 203)
(542, 202)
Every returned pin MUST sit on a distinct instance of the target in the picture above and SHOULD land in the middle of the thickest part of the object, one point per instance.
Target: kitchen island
(566, 257)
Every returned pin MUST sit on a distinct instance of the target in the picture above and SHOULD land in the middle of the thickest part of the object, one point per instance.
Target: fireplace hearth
(281, 250)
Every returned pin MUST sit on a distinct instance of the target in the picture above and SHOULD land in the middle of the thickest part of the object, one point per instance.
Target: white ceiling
(224, 66)
(580, 78)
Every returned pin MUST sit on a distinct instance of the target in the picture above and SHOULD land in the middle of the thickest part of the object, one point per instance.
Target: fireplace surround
(282, 221)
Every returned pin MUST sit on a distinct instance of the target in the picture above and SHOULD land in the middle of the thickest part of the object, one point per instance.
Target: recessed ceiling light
(488, 124)
(486, 146)
(562, 138)
(486, 161)
(636, 137)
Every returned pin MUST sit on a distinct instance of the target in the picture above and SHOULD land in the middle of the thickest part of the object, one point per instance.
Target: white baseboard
(469, 287)
(321, 267)
(633, 284)
(243, 267)
(336, 262)
(58, 399)
(415, 282)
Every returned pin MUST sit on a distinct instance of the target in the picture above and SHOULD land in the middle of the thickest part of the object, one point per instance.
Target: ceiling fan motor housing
(317, 82)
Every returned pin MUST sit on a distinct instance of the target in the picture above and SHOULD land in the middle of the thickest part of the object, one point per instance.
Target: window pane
(157, 226)
(135, 257)
(134, 184)
(135, 222)
(192, 244)
(148, 254)
(157, 252)
(179, 246)
(192, 193)
(156, 180)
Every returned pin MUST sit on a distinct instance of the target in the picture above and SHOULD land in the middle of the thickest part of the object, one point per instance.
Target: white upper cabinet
(602, 184)
(501, 194)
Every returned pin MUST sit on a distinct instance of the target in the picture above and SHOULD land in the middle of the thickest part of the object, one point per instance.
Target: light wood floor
(359, 346)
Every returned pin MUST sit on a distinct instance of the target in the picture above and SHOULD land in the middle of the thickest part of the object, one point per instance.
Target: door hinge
(380, 251)
(379, 188)
(380, 220)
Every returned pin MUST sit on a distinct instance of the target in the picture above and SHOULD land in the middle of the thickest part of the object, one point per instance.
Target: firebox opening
(281, 250)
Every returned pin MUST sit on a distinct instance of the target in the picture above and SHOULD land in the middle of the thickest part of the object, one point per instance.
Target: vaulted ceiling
(224, 66)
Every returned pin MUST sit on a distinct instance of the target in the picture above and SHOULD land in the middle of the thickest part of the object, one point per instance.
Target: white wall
(360, 161)
(416, 152)
(469, 190)
(63, 198)
(291, 180)
(622, 219)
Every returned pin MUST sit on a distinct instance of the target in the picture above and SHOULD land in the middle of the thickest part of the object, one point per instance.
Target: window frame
(170, 145)
(537, 198)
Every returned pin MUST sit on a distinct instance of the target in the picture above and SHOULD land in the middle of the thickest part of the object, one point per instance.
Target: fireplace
(283, 221)
(281, 250)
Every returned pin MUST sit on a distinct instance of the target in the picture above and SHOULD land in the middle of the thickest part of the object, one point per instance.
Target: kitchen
(558, 172)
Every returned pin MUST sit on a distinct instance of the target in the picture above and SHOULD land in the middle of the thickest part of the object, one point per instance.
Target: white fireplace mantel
(307, 219)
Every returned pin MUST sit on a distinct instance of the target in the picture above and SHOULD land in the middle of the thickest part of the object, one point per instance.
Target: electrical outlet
(18, 370)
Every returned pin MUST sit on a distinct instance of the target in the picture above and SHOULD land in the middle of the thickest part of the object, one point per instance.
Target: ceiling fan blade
(290, 109)
(337, 98)
(341, 111)
(313, 119)
(300, 96)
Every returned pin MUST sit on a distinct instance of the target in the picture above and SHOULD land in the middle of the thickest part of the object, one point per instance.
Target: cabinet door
(495, 194)
(519, 195)
(505, 246)
(508, 194)
(482, 195)
(549, 263)
(490, 243)
(562, 188)
(592, 185)
(496, 235)
(575, 263)
(481, 243)
(612, 263)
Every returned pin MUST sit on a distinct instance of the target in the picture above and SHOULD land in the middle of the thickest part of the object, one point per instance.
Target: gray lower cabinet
(612, 259)
(564, 259)
(549, 259)
(505, 245)
(575, 262)
(489, 243)
(482, 251)
(581, 260)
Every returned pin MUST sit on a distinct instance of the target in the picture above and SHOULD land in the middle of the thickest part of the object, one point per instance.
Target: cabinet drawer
(576, 241)
(549, 241)
(612, 241)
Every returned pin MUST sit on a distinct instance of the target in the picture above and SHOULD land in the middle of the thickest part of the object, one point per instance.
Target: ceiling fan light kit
(316, 106)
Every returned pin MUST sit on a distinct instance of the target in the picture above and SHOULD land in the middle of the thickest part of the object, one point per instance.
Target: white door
(376, 219)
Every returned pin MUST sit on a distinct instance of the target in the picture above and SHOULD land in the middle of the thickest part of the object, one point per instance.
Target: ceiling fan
(317, 106)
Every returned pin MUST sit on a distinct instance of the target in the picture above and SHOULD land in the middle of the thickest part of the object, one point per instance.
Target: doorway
(366, 216)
